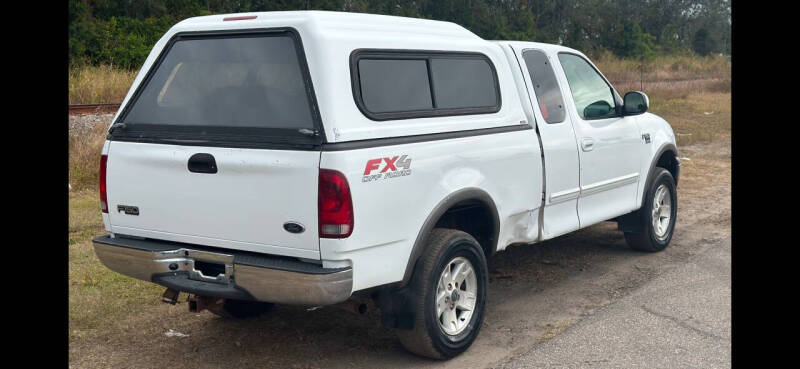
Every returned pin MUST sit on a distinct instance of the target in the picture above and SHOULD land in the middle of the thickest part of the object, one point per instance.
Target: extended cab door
(611, 146)
(559, 146)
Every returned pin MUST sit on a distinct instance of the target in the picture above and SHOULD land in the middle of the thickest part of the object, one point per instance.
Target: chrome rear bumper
(239, 275)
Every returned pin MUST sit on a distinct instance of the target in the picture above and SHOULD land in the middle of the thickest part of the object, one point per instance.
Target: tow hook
(170, 296)
(200, 303)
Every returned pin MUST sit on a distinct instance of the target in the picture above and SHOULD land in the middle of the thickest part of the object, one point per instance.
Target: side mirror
(600, 108)
(635, 102)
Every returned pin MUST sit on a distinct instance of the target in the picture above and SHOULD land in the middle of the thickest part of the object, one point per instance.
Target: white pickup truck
(311, 158)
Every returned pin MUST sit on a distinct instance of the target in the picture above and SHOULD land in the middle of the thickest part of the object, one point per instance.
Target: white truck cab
(308, 157)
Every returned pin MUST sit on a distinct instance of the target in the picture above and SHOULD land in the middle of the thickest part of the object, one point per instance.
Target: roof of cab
(326, 22)
(538, 45)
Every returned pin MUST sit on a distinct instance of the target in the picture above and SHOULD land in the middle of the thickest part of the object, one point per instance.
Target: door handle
(202, 163)
(587, 144)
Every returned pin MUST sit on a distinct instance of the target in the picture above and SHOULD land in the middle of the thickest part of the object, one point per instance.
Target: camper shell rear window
(237, 89)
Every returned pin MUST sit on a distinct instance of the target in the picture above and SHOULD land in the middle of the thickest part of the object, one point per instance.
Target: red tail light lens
(335, 205)
(103, 196)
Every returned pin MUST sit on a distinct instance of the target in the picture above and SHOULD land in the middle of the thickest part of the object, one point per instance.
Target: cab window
(593, 97)
(545, 86)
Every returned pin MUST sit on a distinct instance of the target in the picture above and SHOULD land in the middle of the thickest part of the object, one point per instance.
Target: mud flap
(397, 308)
(631, 222)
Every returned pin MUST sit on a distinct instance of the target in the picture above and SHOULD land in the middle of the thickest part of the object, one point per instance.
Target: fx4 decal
(395, 166)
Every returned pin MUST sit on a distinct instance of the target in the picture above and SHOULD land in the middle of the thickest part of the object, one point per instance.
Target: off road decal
(394, 166)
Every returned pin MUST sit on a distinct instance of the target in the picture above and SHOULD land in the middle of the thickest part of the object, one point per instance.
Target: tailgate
(243, 206)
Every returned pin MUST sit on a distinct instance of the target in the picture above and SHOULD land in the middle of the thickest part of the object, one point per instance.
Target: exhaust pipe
(170, 296)
(356, 307)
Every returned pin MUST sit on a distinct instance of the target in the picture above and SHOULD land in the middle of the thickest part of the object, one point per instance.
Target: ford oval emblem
(293, 227)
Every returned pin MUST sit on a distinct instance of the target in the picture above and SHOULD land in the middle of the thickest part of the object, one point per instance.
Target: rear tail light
(103, 196)
(335, 205)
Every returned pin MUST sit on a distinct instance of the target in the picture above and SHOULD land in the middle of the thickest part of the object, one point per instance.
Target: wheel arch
(467, 198)
(666, 157)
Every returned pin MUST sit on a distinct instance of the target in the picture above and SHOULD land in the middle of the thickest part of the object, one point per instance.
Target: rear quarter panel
(389, 212)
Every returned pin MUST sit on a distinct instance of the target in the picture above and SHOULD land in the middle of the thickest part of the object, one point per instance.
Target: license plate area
(200, 265)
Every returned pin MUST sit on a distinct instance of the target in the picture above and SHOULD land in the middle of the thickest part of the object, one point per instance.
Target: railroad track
(79, 109)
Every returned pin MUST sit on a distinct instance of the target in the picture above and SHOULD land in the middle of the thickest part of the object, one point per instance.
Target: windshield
(237, 81)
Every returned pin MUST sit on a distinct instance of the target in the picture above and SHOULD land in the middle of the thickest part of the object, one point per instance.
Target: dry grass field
(692, 94)
(96, 294)
(102, 84)
(84, 156)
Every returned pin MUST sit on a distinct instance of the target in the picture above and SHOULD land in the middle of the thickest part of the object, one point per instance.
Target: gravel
(84, 123)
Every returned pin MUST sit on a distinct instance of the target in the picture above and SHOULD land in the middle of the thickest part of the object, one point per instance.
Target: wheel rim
(662, 212)
(456, 296)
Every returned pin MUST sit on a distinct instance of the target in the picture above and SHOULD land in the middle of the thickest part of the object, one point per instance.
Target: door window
(593, 97)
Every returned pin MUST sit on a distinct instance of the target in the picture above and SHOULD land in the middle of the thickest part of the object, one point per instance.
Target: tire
(241, 309)
(647, 235)
(454, 249)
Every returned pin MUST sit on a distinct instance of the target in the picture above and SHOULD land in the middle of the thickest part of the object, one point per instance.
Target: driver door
(610, 146)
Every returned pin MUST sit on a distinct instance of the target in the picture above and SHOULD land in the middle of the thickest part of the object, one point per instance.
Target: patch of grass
(668, 77)
(97, 294)
(692, 93)
(664, 68)
(100, 84)
(697, 117)
(85, 147)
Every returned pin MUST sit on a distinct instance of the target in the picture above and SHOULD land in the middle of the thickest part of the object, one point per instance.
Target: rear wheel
(449, 292)
(240, 309)
(655, 221)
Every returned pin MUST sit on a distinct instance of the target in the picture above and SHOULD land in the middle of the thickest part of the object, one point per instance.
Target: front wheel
(449, 292)
(656, 218)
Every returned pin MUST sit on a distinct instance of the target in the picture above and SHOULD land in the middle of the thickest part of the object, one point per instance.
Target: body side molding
(609, 184)
(566, 195)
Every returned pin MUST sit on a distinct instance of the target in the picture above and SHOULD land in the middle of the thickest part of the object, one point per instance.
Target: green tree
(123, 31)
(634, 43)
(704, 43)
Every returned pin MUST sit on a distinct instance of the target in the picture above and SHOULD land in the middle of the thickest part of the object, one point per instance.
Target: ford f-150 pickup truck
(311, 158)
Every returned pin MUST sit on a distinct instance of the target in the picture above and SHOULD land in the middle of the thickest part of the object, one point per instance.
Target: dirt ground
(535, 293)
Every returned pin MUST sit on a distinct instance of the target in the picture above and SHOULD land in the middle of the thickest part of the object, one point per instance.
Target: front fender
(662, 140)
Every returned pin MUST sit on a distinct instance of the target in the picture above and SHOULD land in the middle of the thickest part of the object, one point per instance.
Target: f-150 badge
(388, 168)
(127, 209)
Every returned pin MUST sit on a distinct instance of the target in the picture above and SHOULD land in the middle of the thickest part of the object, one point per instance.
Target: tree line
(122, 32)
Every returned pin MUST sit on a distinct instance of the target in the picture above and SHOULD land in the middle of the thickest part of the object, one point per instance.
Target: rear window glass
(545, 86)
(252, 81)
